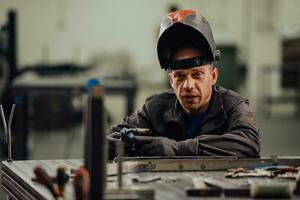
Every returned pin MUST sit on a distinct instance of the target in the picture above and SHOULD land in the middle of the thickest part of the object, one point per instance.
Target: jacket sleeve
(242, 138)
(139, 119)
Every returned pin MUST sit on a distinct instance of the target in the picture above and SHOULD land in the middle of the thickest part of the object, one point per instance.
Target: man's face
(193, 86)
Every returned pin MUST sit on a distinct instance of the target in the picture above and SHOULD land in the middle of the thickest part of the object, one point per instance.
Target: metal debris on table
(270, 172)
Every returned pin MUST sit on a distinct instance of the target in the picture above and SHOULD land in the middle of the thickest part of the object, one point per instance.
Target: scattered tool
(61, 179)
(148, 180)
(269, 171)
(81, 184)
(242, 172)
(271, 190)
(43, 178)
(7, 129)
(297, 184)
(237, 192)
(276, 170)
(201, 189)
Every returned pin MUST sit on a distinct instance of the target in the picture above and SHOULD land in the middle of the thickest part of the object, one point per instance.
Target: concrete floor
(280, 135)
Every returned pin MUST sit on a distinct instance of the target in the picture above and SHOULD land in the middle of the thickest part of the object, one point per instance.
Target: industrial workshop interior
(77, 121)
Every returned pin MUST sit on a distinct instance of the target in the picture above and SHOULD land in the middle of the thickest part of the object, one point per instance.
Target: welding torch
(128, 135)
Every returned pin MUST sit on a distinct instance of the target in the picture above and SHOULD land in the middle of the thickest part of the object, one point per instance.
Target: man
(196, 117)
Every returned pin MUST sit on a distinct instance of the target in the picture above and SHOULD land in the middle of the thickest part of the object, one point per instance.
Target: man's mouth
(189, 97)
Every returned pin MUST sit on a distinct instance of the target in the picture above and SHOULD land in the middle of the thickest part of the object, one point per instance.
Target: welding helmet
(185, 28)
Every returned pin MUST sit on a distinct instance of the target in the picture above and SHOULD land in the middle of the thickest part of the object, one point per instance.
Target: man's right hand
(113, 137)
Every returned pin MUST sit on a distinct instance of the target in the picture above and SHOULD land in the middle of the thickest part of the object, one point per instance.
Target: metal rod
(120, 152)
(9, 158)
(4, 123)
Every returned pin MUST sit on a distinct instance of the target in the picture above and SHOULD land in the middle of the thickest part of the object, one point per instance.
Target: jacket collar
(216, 113)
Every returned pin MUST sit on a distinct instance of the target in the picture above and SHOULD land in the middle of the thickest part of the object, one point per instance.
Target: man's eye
(179, 76)
(197, 74)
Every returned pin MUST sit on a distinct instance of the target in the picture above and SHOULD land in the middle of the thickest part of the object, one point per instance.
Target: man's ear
(214, 74)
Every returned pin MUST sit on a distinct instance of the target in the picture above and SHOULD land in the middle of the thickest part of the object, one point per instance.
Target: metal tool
(201, 189)
(145, 180)
(140, 131)
(120, 153)
(269, 171)
(43, 178)
(7, 129)
(271, 190)
(61, 179)
(128, 134)
(297, 184)
(81, 184)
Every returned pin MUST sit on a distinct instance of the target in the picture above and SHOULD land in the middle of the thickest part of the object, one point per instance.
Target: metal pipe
(9, 158)
(4, 123)
(120, 153)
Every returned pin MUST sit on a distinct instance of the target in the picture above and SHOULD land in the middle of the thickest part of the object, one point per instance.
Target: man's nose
(189, 83)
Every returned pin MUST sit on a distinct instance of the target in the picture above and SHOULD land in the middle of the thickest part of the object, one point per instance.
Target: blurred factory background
(49, 49)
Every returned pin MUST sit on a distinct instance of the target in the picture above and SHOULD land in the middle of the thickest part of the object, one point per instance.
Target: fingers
(141, 131)
(115, 135)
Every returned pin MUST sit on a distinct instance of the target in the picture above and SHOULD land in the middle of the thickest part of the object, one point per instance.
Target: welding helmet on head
(185, 28)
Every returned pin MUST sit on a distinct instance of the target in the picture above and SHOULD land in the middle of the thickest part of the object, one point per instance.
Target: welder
(196, 117)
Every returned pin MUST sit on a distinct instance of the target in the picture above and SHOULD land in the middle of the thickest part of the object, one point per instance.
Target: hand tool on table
(201, 189)
(43, 178)
(61, 179)
(145, 180)
(269, 171)
(81, 184)
(271, 190)
(297, 184)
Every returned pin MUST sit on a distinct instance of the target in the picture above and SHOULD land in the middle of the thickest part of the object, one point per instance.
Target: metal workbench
(172, 176)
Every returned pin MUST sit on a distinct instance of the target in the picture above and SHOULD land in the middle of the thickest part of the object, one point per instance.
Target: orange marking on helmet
(178, 16)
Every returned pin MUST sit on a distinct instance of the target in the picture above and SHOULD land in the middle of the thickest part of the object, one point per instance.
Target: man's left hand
(156, 146)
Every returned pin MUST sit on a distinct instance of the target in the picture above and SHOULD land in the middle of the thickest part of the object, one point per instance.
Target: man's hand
(113, 137)
(155, 146)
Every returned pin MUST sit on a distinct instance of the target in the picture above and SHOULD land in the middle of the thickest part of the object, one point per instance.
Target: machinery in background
(8, 53)
(48, 110)
(289, 72)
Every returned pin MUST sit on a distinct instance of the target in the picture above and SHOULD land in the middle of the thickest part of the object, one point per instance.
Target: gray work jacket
(228, 128)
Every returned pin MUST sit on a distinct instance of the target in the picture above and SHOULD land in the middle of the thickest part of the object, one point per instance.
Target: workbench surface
(17, 180)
